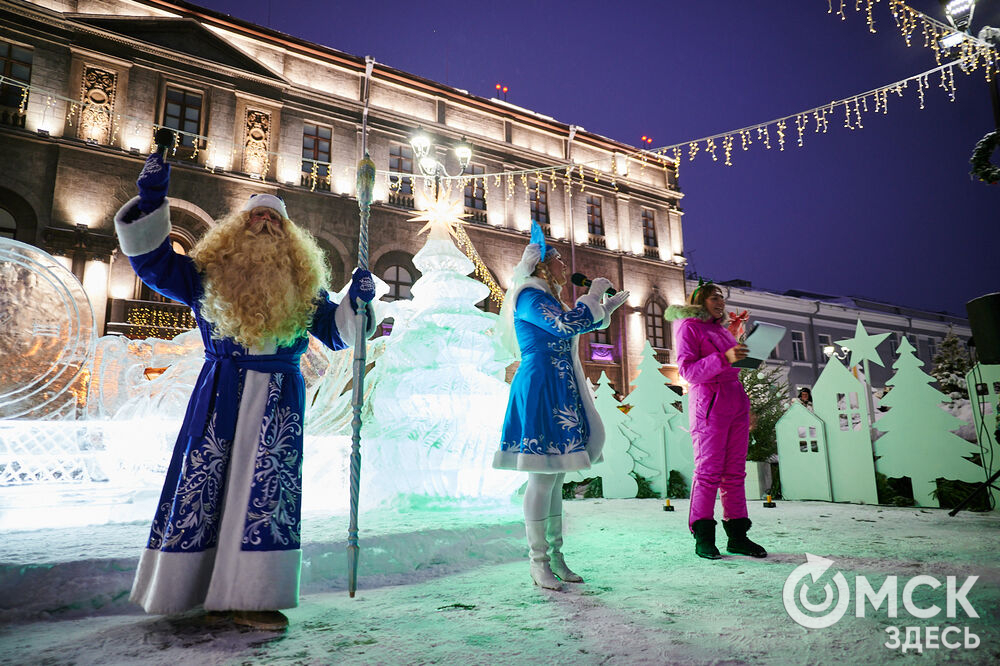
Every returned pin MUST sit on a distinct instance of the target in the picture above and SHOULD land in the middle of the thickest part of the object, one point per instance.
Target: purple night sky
(888, 212)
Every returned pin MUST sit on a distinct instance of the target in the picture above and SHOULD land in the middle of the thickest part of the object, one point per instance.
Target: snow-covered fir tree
(951, 364)
(768, 393)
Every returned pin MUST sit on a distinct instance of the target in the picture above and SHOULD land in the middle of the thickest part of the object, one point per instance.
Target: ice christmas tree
(434, 417)
(620, 456)
(918, 442)
(661, 427)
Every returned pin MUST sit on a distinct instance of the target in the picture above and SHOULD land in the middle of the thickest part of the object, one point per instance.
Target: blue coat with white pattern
(551, 424)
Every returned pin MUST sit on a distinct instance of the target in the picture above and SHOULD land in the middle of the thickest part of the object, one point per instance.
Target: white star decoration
(442, 217)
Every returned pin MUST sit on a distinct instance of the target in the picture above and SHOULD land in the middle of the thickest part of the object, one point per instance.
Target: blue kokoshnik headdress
(538, 237)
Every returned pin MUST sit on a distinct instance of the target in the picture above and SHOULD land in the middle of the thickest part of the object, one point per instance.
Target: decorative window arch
(397, 269)
(182, 243)
(657, 328)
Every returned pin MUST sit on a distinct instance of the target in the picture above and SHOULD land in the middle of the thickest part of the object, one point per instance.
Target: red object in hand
(737, 324)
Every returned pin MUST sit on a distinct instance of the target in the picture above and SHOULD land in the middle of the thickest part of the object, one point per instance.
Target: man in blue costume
(551, 426)
(226, 532)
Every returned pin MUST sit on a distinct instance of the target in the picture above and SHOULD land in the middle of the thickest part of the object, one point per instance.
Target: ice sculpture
(47, 334)
(433, 420)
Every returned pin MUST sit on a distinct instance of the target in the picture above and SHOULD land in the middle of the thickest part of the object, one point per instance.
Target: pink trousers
(720, 427)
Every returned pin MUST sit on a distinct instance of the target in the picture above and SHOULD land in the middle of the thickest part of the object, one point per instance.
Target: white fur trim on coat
(146, 232)
(347, 324)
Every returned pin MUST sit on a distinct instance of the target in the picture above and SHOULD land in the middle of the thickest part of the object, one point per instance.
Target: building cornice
(357, 65)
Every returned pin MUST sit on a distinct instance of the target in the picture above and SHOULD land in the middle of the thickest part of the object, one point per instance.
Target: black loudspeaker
(984, 320)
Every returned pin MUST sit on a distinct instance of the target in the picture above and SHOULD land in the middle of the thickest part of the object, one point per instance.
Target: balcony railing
(475, 215)
(651, 252)
(401, 200)
(596, 240)
(314, 182)
(138, 320)
(12, 117)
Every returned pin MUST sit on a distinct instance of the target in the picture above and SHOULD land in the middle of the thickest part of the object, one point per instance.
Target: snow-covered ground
(452, 587)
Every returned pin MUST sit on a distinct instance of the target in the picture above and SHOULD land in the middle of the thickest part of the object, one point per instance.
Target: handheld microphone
(581, 280)
(164, 139)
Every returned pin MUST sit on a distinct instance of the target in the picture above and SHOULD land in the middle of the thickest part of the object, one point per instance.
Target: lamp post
(423, 153)
(959, 14)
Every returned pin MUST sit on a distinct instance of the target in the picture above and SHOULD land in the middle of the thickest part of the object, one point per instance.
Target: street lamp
(423, 153)
(959, 13)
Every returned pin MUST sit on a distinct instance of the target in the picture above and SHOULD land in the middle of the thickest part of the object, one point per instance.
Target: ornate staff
(365, 186)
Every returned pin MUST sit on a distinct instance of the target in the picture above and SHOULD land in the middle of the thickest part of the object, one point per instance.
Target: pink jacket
(701, 346)
(701, 359)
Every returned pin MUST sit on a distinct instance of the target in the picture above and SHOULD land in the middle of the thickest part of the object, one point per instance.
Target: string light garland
(971, 51)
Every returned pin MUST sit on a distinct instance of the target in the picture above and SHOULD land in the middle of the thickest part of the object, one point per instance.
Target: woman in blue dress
(551, 426)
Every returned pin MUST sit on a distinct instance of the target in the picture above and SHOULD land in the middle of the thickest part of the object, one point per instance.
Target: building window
(656, 329)
(648, 228)
(893, 343)
(539, 196)
(399, 281)
(15, 64)
(316, 156)
(798, 346)
(183, 112)
(595, 220)
(931, 349)
(180, 245)
(475, 194)
(824, 341)
(401, 161)
(8, 226)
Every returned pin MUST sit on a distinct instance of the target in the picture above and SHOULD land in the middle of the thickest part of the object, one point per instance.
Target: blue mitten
(152, 183)
(362, 288)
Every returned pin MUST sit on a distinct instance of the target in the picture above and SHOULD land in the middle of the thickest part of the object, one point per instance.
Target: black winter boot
(736, 530)
(704, 539)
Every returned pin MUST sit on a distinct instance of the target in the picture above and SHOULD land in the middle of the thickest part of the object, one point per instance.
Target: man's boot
(538, 548)
(736, 530)
(704, 539)
(557, 562)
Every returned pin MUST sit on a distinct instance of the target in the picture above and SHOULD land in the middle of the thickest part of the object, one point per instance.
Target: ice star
(442, 217)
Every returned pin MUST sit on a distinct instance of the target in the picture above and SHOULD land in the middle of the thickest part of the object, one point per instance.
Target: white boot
(538, 553)
(558, 563)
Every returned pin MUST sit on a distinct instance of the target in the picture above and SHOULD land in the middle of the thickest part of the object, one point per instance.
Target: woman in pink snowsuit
(719, 414)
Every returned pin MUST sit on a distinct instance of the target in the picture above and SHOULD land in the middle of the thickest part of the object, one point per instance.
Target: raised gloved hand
(612, 303)
(598, 286)
(529, 260)
(152, 183)
(362, 288)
